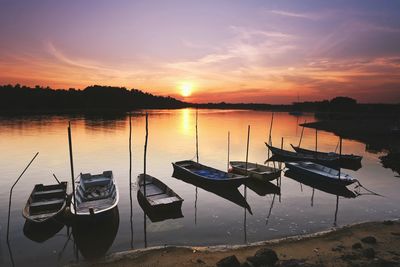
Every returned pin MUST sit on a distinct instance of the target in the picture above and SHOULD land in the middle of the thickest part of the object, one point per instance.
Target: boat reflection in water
(229, 192)
(330, 188)
(41, 232)
(94, 236)
(263, 188)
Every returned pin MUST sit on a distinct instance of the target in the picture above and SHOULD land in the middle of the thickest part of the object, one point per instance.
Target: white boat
(94, 194)
(254, 170)
(319, 171)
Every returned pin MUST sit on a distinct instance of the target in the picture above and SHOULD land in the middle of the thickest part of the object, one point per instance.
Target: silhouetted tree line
(107, 98)
(23, 98)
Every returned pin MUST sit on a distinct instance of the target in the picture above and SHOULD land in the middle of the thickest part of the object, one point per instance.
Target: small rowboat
(95, 194)
(254, 170)
(324, 173)
(350, 158)
(156, 194)
(286, 155)
(207, 174)
(45, 202)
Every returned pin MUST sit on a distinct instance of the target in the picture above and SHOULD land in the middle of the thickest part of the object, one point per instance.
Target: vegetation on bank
(23, 98)
(20, 99)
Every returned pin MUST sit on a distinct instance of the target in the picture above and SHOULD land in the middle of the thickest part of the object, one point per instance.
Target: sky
(260, 51)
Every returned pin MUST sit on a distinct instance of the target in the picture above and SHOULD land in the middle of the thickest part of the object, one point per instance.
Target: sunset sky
(208, 50)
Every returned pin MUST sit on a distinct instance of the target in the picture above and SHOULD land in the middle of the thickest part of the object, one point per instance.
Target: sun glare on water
(186, 89)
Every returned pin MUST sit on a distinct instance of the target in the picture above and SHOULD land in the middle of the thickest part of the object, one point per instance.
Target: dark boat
(95, 194)
(349, 158)
(46, 202)
(254, 170)
(285, 155)
(320, 172)
(227, 191)
(207, 174)
(156, 195)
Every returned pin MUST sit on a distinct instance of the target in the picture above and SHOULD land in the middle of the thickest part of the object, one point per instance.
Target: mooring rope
(359, 185)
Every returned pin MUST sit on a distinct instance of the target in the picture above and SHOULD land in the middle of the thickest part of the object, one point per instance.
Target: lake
(102, 143)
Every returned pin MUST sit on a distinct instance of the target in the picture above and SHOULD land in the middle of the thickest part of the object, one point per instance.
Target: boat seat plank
(164, 200)
(47, 202)
(38, 193)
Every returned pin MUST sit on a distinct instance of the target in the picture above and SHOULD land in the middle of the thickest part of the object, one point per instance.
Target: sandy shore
(331, 248)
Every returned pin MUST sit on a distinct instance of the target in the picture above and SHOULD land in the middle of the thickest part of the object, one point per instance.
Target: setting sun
(186, 89)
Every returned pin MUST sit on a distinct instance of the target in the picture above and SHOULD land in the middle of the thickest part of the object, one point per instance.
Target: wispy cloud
(293, 14)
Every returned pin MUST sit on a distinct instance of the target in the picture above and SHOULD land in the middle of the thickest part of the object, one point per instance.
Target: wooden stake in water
(11, 190)
(71, 160)
(340, 153)
(247, 148)
(229, 140)
(197, 138)
(145, 153)
(130, 150)
(316, 140)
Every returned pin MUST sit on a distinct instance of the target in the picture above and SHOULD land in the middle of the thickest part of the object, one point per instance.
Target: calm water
(209, 219)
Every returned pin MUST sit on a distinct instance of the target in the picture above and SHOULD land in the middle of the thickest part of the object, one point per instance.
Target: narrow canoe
(45, 202)
(207, 174)
(254, 170)
(286, 155)
(95, 194)
(344, 157)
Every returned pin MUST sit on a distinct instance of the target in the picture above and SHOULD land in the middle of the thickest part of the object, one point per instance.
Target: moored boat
(285, 155)
(254, 170)
(319, 171)
(95, 194)
(350, 158)
(46, 202)
(156, 194)
(207, 174)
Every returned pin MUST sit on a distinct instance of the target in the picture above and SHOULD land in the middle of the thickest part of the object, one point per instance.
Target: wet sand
(331, 248)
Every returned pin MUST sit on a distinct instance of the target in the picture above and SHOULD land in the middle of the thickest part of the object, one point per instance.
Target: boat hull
(269, 174)
(182, 171)
(297, 168)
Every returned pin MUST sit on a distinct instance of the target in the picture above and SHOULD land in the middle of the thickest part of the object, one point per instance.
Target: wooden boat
(315, 170)
(343, 157)
(254, 170)
(157, 195)
(285, 155)
(207, 174)
(95, 194)
(46, 202)
(41, 232)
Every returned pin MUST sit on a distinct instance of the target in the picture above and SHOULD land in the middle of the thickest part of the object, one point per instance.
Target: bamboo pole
(247, 148)
(229, 140)
(130, 151)
(197, 138)
(11, 190)
(316, 140)
(340, 153)
(71, 160)
(145, 153)
(130, 178)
